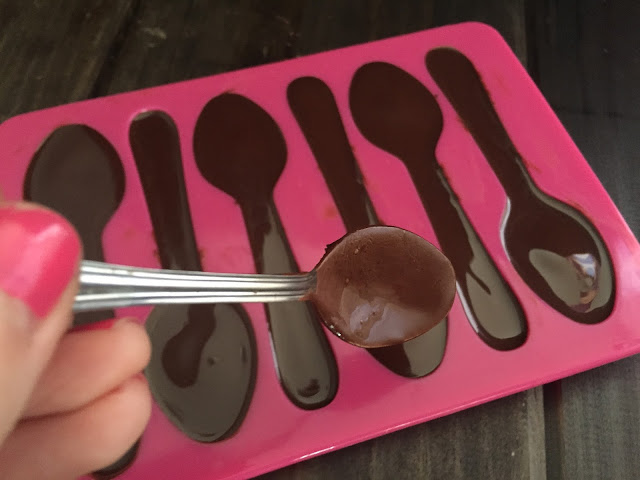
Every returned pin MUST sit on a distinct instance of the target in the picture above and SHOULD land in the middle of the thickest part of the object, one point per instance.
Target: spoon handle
(113, 286)
(463, 87)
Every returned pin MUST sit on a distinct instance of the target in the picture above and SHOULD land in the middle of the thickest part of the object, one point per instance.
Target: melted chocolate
(315, 109)
(398, 114)
(240, 150)
(554, 247)
(382, 286)
(78, 173)
(203, 362)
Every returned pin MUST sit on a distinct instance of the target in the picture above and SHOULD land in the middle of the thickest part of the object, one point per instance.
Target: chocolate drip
(398, 114)
(555, 248)
(78, 173)
(203, 362)
(240, 150)
(315, 109)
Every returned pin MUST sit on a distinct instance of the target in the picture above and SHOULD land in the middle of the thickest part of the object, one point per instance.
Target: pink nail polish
(39, 253)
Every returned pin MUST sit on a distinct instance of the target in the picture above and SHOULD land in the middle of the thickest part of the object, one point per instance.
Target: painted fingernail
(39, 252)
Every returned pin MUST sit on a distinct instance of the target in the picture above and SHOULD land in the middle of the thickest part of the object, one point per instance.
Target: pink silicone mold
(371, 401)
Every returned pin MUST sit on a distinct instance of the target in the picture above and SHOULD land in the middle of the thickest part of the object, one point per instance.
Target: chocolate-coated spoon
(203, 361)
(240, 149)
(316, 111)
(554, 247)
(397, 113)
(375, 287)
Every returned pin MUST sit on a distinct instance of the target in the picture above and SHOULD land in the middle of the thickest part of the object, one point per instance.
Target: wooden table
(585, 57)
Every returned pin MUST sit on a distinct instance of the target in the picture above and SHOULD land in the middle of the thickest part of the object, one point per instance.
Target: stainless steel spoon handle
(104, 286)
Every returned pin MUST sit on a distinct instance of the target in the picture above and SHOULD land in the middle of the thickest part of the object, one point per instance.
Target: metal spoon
(376, 287)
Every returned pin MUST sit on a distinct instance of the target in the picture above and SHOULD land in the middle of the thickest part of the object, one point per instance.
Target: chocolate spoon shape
(554, 247)
(78, 173)
(203, 361)
(394, 111)
(240, 150)
(315, 109)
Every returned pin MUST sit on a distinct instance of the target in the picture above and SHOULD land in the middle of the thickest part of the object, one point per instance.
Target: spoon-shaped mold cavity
(239, 149)
(396, 112)
(78, 173)
(554, 248)
(203, 362)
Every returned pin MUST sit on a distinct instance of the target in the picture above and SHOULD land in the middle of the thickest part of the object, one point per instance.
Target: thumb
(39, 254)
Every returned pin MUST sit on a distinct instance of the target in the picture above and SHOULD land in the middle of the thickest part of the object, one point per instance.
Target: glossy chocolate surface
(315, 109)
(240, 149)
(398, 114)
(382, 286)
(555, 248)
(78, 173)
(203, 362)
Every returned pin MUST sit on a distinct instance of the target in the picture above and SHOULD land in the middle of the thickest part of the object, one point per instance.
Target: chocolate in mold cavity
(383, 285)
(240, 149)
(115, 469)
(78, 173)
(203, 362)
(315, 109)
(554, 248)
(397, 113)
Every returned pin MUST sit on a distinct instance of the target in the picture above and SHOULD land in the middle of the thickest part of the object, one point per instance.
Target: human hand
(71, 402)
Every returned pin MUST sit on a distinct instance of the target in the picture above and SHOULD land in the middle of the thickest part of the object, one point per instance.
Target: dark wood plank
(501, 439)
(173, 41)
(508, 17)
(586, 60)
(53, 52)
(587, 55)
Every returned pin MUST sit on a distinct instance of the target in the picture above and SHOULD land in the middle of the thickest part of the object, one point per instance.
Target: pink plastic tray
(371, 401)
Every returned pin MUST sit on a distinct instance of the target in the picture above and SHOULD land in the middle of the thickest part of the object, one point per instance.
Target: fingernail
(39, 253)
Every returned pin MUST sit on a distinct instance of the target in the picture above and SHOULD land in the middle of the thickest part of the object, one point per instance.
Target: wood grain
(53, 52)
